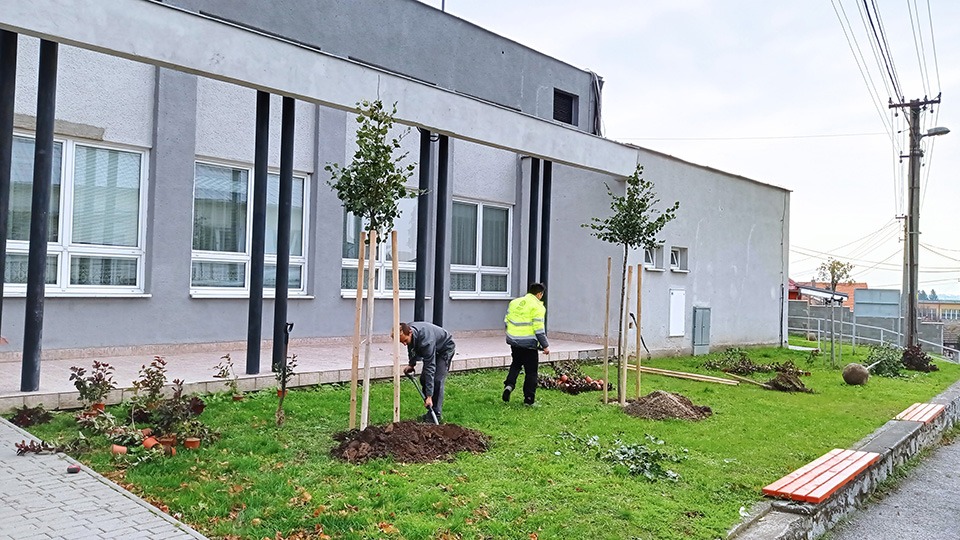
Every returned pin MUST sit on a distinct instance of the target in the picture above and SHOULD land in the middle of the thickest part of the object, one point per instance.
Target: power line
(918, 45)
(883, 46)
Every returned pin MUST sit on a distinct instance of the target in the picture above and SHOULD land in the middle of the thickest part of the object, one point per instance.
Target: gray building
(151, 214)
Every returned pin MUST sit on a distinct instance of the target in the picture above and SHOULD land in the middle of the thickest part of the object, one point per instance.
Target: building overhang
(154, 33)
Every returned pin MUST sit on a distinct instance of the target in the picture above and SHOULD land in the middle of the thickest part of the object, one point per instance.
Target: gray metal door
(701, 330)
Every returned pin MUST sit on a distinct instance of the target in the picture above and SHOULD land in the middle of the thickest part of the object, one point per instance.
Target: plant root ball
(855, 374)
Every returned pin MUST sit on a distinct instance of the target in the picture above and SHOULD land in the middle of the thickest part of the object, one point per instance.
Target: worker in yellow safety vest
(526, 336)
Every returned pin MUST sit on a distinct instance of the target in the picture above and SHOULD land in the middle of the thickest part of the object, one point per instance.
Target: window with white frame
(222, 219)
(480, 250)
(678, 259)
(95, 229)
(406, 227)
(653, 258)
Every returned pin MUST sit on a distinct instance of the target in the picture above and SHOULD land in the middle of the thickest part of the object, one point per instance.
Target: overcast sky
(771, 91)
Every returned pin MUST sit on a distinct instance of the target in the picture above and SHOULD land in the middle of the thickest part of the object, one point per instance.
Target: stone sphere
(855, 374)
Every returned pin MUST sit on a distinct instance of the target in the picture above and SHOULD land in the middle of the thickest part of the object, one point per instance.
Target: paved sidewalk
(922, 506)
(40, 500)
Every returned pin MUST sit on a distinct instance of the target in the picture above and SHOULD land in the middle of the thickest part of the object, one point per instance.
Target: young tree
(922, 295)
(370, 188)
(834, 272)
(933, 295)
(634, 224)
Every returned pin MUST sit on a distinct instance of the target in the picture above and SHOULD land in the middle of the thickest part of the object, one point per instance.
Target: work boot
(506, 393)
(527, 400)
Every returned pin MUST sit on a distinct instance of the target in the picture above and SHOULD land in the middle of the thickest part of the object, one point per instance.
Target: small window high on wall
(565, 107)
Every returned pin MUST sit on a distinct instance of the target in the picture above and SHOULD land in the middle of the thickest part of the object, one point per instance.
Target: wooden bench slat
(837, 467)
(774, 488)
(909, 411)
(815, 473)
(932, 411)
(841, 479)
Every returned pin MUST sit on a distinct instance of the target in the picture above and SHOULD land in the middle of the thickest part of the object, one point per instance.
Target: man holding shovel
(434, 347)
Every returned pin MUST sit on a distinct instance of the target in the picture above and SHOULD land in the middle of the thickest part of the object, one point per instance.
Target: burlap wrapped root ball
(855, 374)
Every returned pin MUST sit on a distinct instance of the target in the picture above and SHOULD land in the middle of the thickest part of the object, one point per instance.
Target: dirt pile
(408, 442)
(788, 382)
(660, 405)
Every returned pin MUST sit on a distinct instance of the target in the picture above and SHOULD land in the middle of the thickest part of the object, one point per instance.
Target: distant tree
(835, 272)
(923, 295)
(933, 295)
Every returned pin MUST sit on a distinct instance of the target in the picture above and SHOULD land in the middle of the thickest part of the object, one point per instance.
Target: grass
(258, 480)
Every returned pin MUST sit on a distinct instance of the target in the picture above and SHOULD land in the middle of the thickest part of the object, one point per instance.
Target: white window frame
(478, 268)
(381, 263)
(64, 248)
(679, 260)
(246, 257)
(655, 255)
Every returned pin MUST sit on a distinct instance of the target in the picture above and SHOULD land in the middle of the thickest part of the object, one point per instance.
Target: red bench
(921, 412)
(819, 479)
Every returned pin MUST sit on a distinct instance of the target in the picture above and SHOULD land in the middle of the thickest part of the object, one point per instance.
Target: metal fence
(843, 332)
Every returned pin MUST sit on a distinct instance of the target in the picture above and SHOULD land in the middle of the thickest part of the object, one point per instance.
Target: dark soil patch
(788, 382)
(408, 442)
(660, 405)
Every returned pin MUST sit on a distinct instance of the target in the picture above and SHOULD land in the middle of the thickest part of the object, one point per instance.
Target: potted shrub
(225, 371)
(95, 386)
(283, 375)
(149, 388)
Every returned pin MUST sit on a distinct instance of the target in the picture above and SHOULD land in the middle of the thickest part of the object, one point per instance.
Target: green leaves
(375, 180)
(635, 222)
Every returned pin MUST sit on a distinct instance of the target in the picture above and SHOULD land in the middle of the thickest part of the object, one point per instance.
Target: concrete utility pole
(912, 246)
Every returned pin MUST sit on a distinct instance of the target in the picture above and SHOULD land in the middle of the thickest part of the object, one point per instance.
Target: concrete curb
(896, 441)
(108, 484)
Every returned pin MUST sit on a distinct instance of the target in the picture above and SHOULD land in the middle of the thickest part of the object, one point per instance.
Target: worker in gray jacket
(434, 347)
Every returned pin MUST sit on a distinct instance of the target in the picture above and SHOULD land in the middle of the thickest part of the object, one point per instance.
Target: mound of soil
(408, 442)
(659, 405)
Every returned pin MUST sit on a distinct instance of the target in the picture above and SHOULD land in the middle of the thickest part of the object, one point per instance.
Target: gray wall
(420, 41)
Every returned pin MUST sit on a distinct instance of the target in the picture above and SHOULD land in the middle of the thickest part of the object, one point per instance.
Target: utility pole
(912, 247)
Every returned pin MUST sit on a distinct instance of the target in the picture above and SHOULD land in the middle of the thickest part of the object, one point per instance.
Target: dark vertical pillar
(545, 221)
(8, 85)
(39, 216)
(255, 312)
(532, 231)
(423, 216)
(283, 234)
(440, 259)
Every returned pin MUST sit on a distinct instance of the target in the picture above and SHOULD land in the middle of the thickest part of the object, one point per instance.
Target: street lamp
(912, 245)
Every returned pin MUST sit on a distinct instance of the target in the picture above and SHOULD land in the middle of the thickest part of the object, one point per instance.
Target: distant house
(939, 310)
(847, 290)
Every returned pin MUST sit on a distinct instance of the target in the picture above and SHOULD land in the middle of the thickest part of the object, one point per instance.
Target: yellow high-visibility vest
(524, 320)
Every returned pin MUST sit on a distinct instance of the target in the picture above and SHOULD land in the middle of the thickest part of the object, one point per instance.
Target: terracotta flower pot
(238, 397)
(99, 407)
(117, 449)
(168, 440)
(192, 443)
(281, 393)
(169, 450)
(146, 431)
(150, 442)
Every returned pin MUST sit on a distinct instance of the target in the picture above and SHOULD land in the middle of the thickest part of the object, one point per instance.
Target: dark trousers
(444, 358)
(528, 360)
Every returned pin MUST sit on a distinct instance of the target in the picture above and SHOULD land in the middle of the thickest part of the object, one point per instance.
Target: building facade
(150, 221)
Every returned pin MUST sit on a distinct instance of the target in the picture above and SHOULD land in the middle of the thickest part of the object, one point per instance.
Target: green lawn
(258, 480)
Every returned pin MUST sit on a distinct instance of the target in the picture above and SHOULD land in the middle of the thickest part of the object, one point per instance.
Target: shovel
(433, 415)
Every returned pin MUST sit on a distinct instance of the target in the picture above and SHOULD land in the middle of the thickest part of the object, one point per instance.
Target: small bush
(885, 360)
(915, 359)
(30, 416)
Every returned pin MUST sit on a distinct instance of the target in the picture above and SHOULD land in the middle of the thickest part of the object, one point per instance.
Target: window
(95, 228)
(222, 218)
(565, 107)
(480, 250)
(678, 259)
(653, 259)
(406, 227)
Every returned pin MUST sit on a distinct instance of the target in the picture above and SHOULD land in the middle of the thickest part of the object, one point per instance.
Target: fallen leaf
(387, 528)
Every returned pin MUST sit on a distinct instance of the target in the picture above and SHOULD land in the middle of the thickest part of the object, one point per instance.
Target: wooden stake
(396, 328)
(685, 375)
(606, 337)
(639, 337)
(355, 359)
(371, 274)
(625, 353)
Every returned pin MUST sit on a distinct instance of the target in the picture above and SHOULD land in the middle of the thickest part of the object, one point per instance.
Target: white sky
(770, 90)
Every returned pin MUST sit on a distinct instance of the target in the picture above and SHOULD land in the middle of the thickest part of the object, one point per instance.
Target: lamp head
(936, 131)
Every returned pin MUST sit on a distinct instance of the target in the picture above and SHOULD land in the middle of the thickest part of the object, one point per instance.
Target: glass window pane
(494, 236)
(493, 283)
(406, 226)
(16, 269)
(464, 234)
(294, 276)
(217, 274)
(352, 225)
(21, 191)
(296, 215)
(220, 209)
(106, 197)
(103, 271)
(348, 278)
(408, 280)
(460, 282)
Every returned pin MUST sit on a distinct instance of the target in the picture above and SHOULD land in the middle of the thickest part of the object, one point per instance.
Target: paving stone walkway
(40, 500)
